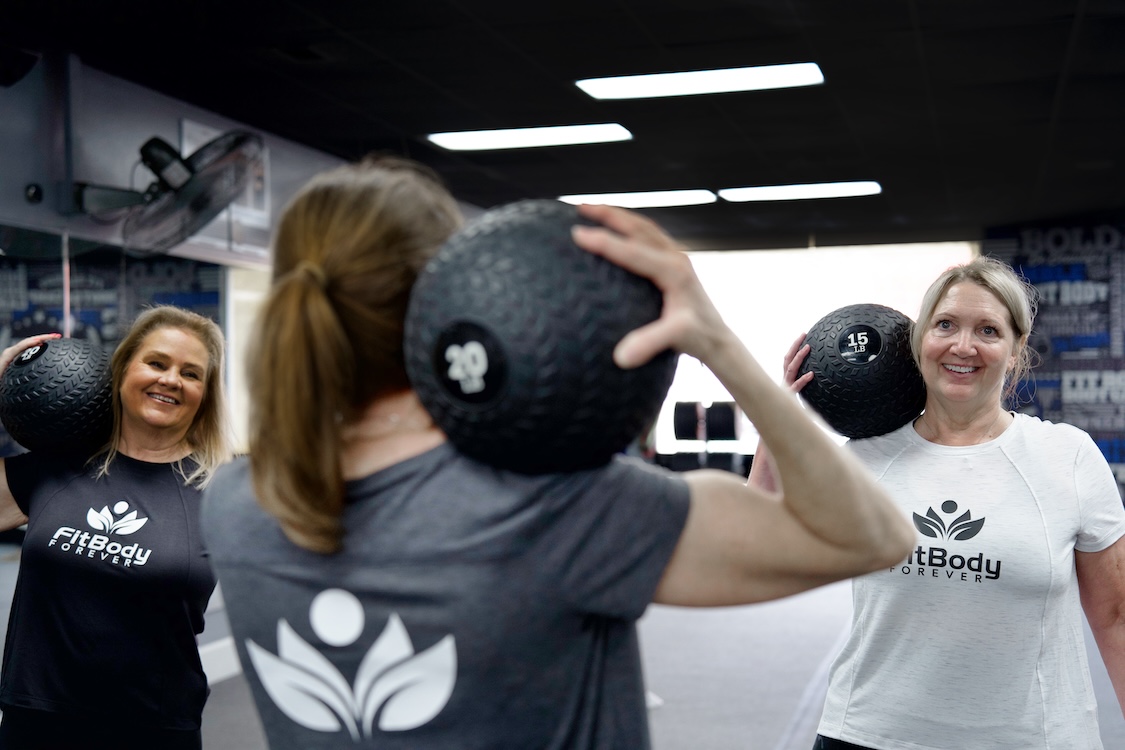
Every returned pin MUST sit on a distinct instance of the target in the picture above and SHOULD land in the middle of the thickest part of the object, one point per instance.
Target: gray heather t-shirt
(469, 608)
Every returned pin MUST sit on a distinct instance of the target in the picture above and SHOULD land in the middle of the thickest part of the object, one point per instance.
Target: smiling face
(164, 383)
(968, 348)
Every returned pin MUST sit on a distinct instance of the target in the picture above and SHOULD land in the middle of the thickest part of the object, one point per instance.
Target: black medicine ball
(58, 396)
(509, 343)
(865, 382)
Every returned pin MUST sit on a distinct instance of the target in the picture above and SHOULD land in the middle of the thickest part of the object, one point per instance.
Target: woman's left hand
(796, 355)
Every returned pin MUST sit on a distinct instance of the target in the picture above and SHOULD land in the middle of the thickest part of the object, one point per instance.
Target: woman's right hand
(689, 322)
(8, 356)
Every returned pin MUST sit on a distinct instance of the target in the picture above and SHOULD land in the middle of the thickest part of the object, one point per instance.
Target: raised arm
(10, 514)
(763, 475)
(741, 543)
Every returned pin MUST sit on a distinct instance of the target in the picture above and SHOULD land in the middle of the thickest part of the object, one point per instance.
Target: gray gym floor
(745, 678)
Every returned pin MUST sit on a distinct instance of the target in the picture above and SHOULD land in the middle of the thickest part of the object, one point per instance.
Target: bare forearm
(824, 487)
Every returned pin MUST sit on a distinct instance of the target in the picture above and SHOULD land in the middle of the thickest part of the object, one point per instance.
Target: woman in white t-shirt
(975, 640)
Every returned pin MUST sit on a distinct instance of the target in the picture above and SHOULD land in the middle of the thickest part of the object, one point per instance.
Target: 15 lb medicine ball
(865, 382)
(509, 343)
(58, 396)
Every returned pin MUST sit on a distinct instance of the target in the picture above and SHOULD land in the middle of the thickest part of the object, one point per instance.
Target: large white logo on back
(410, 689)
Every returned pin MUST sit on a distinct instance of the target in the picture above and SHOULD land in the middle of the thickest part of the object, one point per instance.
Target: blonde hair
(1014, 292)
(330, 335)
(209, 433)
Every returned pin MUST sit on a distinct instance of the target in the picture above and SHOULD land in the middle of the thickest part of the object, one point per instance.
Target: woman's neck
(154, 448)
(945, 427)
(391, 429)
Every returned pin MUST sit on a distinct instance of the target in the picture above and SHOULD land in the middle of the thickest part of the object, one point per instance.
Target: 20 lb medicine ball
(865, 382)
(509, 343)
(58, 396)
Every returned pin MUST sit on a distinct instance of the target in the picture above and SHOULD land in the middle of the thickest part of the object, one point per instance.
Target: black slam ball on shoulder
(865, 382)
(58, 396)
(509, 343)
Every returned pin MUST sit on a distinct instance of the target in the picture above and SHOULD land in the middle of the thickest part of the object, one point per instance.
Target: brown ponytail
(329, 337)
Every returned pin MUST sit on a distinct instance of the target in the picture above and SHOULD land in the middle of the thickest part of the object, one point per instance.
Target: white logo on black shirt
(103, 520)
(404, 689)
(101, 546)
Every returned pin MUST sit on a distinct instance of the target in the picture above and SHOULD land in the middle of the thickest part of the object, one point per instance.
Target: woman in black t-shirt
(113, 583)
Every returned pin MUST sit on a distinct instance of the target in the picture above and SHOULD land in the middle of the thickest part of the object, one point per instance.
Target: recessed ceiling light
(801, 192)
(693, 82)
(650, 199)
(560, 135)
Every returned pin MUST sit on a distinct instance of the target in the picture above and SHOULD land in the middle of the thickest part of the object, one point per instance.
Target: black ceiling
(970, 113)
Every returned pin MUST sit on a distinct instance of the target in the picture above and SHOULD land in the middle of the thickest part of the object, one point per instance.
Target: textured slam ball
(509, 343)
(865, 382)
(58, 396)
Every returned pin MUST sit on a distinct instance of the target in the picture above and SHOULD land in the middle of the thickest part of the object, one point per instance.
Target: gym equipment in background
(687, 420)
(691, 420)
(509, 343)
(58, 396)
(713, 424)
(186, 195)
(865, 382)
(722, 421)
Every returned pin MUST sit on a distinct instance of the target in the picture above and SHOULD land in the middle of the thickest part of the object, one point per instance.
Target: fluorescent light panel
(801, 192)
(694, 82)
(651, 199)
(561, 135)
(667, 198)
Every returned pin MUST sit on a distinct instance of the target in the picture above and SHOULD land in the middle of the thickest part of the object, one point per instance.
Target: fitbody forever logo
(103, 520)
(938, 562)
(961, 528)
(393, 686)
(101, 546)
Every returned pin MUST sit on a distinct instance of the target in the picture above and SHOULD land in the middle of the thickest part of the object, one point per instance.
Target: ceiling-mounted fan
(187, 194)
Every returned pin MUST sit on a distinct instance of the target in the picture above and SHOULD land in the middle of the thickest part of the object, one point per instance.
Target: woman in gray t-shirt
(384, 588)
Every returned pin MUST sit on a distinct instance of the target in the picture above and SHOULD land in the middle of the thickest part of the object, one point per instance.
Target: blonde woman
(974, 641)
(113, 581)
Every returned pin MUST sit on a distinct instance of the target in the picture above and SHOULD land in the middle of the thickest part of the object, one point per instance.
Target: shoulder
(625, 474)
(233, 470)
(1057, 437)
(632, 486)
(229, 499)
(623, 479)
(625, 488)
(882, 449)
(29, 470)
(229, 484)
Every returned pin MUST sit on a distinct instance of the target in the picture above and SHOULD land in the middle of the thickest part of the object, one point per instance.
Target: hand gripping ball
(865, 382)
(509, 343)
(58, 396)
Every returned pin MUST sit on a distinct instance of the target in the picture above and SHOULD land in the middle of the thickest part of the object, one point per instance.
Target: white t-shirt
(975, 641)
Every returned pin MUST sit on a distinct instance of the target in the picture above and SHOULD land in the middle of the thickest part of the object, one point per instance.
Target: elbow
(1106, 620)
(893, 543)
(900, 541)
(898, 536)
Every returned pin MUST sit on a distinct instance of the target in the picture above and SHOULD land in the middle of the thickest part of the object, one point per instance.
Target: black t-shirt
(112, 588)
